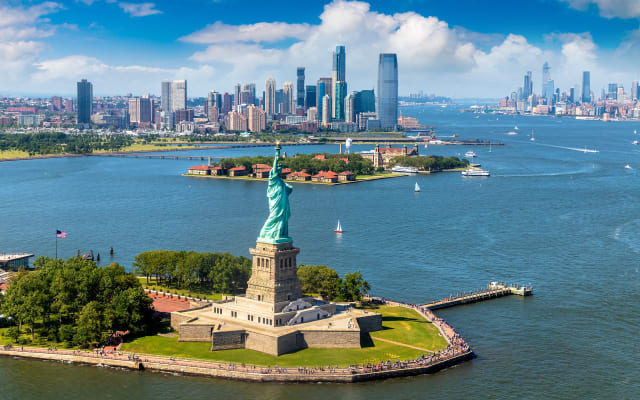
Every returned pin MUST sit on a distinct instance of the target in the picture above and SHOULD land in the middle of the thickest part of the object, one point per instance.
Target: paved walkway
(402, 344)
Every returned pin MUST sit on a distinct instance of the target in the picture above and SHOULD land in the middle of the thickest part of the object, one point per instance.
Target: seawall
(233, 371)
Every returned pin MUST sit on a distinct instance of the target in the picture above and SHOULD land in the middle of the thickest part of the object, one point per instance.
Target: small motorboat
(628, 166)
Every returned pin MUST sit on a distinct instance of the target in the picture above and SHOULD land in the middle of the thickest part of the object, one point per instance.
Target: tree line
(76, 302)
(332, 162)
(327, 283)
(218, 272)
(430, 163)
(59, 143)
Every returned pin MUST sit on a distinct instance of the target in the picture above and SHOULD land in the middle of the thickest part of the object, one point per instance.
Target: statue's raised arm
(276, 228)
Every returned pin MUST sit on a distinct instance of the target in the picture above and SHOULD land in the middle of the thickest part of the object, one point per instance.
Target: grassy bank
(13, 154)
(400, 325)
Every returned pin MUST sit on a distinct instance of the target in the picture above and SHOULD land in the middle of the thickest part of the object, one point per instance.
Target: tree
(89, 327)
(353, 287)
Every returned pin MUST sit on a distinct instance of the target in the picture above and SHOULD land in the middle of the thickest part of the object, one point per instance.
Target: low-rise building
(238, 171)
(299, 176)
(218, 171)
(200, 170)
(325, 177)
(346, 176)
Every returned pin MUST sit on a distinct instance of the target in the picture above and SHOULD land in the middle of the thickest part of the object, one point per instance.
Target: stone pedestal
(274, 277)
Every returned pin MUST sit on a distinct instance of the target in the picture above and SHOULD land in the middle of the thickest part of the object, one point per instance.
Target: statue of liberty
(276, 228)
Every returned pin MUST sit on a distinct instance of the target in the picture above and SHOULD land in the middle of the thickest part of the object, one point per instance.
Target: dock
(492, 291)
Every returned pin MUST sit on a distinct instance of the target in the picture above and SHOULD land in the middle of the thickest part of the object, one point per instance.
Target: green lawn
(400, 324)
(404, 325)
(205, 294)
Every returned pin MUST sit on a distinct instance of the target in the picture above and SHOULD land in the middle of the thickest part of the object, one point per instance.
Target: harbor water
(565, 221)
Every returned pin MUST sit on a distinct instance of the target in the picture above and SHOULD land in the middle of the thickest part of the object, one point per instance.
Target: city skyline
(46, 47)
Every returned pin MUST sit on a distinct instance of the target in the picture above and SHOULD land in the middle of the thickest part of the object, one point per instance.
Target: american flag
(61, 234)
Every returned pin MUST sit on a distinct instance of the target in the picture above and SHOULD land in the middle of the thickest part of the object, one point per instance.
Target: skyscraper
(310, 96)
(85, 103)
(300, 87)
(236, 94)
(586, 87)
(140, 109)
(546, 77)
(178, 95)
(166, 96)
(387, 100)
(527, 88)
(289, 99)
(227, 102)
(349, 107)
(326, 110)
(270, 96)
(365, 101)
(612, 92)
(324, 87)
(338, 73)
(341, 94)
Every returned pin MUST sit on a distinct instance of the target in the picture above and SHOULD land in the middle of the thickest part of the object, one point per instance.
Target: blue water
(565, 221)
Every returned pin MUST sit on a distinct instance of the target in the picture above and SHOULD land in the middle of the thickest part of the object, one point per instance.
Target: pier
(492, 291)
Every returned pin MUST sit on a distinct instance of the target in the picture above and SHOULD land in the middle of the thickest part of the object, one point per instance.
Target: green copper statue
(276, 228)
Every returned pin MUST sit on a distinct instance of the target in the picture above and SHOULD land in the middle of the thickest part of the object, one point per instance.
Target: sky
(461, 48)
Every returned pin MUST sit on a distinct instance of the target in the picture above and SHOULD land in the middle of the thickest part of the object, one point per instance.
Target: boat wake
(629, 234)
(583, 150)
(543, 174)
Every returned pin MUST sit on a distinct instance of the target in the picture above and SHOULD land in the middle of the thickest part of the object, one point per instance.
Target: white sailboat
(489, 147)
(417, 187)
(533, 139)
(338, 228)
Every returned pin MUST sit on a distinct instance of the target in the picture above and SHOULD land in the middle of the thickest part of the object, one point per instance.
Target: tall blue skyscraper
(387, 100)
(527, 88)
(338, 74)
(310, 96)
(300, 88)
(85, 103)
(341, 94)
(323, 87)
(586, 87)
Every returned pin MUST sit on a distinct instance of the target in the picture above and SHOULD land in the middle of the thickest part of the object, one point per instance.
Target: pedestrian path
(402, 344)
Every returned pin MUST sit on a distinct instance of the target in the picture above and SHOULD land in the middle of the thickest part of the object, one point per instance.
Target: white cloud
(609, 8)
(260, 32)
(432, 55)
(139, 9)
(62, 73)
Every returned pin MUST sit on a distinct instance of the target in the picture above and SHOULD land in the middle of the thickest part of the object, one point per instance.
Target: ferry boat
(470, 154)
(404, 170)
(475, 172)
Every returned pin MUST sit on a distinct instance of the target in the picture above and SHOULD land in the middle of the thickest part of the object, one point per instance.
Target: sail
(417, 187)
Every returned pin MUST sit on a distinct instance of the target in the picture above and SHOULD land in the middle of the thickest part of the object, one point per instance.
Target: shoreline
(160, 150)
(251, 179)
(456, 353)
